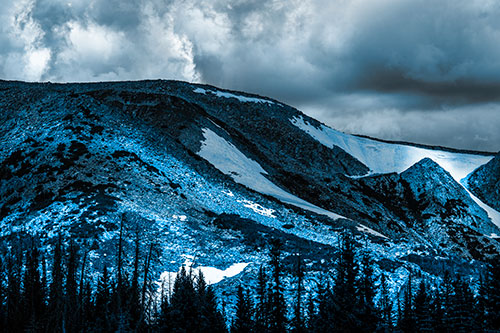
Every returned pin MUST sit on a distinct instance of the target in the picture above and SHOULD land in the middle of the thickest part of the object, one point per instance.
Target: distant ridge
(421, 145)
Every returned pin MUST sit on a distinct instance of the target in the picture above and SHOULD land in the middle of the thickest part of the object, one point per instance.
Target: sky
(425, 71)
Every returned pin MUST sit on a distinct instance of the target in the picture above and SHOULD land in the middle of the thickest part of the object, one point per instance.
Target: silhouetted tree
(385, 305)
(491, 294)
(298, 319)
(277, 306)
(262, 306)
(243, 321)
(422, 302)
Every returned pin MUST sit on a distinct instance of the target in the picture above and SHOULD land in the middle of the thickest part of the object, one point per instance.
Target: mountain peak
(428, 168)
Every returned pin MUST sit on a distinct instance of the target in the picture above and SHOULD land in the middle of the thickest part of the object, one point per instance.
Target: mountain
(207, 176)
(485, 182)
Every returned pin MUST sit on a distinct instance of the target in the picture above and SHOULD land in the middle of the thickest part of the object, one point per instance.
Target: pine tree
(243, 322)
(366, 295)
(14, 317)
(346, 298)
(262, 306)
(298, 320)
(423, 317)
(446, 294)
(480, 305)
(492, 295)
(71, 298)
(311, 313)
(33, 298)
(328, 309)
(183, 313)
(385, 305)
(2, 307)
(102, 301)
(56, 291)
(133, 304)
(407, 317)
(277, 320)
(437, 311)
(214, 321)
(461, 305)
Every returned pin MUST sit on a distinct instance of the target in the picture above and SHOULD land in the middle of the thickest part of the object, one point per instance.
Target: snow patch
(224, 94)
(365, 229)
(382, 157)
(228, 159)
(493, 214)
(212, 275)
(257, 208)
(182, 218)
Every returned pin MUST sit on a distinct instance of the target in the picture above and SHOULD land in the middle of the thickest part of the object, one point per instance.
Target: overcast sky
(422, 70)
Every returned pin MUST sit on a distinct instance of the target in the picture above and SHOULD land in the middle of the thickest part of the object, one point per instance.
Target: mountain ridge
(192, 169)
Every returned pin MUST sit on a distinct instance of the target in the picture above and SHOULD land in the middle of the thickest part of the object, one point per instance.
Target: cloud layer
(422, 70)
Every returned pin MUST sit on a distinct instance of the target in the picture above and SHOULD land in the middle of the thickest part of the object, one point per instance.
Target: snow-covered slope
(228, 159)
(485, 182)
(213, 175)
(383, 157)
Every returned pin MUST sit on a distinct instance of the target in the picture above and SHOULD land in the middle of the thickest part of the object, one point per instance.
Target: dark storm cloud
(383, 68)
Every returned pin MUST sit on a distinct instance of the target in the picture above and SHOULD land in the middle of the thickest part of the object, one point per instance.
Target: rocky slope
(208, 176)
(485, 182)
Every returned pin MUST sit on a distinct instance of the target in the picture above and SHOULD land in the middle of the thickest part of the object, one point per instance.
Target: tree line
(43, 293)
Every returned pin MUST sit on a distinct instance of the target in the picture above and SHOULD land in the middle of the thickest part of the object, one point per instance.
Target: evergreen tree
(2, 282)
(437, 311)
(368, 313)
(311, 313)
(446, 294)
(70, 312)
(385, 305)
(461, 307)
(243, 322)
(102, 301)
(492, 295)
(262, 306)
(277, 306)
(33, 298)
(423, 317)
(183, 313)
(14, 315)
(407, 317)
(133, 304)
(480, 305)
(325, 319)
(298, 320)
(345, 293)
(213, 319)
(56, 291)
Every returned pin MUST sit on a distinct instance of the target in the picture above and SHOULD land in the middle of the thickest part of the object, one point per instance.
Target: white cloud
(372, 62)
(29, 57)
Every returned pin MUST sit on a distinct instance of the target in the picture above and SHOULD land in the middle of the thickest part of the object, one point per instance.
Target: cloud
(384, 66)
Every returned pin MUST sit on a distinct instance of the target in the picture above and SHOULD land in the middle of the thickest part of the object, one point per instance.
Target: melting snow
(241, 98)
(228, 159)
(383, 157)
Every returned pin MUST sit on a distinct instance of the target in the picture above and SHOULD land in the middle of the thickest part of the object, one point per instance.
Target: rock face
(485, 182)
(212, 174)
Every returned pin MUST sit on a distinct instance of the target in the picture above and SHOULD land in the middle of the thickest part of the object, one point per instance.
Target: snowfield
(382, 157)
(228, 159)
(212, 275)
